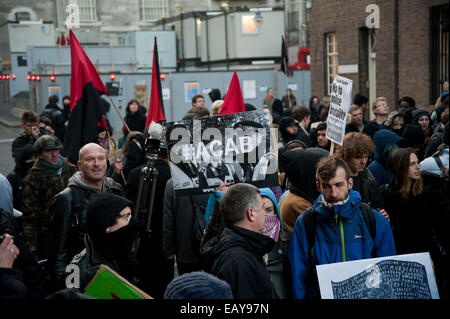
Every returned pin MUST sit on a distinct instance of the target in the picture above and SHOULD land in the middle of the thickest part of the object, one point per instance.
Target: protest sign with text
(230, 148)
(408, 276)
(340, 100)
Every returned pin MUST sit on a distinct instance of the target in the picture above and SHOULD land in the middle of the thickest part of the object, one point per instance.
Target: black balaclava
(400, 131)
(102, 210)
(135, 156)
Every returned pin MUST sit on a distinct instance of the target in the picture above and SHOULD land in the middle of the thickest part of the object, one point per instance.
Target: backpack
(310, 220)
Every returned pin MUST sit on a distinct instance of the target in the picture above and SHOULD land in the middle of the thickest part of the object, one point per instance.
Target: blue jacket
(383, 140)
(341, 235)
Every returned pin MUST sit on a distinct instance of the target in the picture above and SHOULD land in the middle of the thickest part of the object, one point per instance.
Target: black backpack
(310, 220)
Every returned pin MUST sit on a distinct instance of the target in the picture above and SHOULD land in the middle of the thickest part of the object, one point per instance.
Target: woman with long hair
(408, 204)
(134, 117)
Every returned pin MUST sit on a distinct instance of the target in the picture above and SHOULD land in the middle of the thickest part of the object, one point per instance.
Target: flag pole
(128, 129)
(287, 82)
(115, 154)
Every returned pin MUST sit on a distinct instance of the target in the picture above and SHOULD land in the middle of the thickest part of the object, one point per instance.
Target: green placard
(107, 284)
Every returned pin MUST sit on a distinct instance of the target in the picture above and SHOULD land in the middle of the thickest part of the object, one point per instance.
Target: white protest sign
(408, 276)
(340, 100)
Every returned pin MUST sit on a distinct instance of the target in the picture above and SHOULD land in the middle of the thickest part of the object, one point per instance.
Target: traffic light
(29, 77)
(52, 78)
(38, 77)
(112, 76)
(163, 76)
(13, 76)
(33, 77)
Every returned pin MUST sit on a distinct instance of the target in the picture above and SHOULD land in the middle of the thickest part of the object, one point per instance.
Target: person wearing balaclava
(135, 155)
(299, 166)
(24, 162)
(110, 239)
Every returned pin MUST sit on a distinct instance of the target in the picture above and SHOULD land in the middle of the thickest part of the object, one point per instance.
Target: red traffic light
(163, 76)
(13, 76)
(112, 76)
(7, 76)
(38, 77)
(28, 77)
(52, 78)
(33, 78)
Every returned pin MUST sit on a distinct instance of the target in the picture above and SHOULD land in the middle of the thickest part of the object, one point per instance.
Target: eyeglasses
(126, 216)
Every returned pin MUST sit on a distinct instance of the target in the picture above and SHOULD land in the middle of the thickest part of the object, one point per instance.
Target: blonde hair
(216, 106)
(378, 99)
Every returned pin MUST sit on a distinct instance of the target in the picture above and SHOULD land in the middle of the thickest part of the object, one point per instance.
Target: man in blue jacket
(341, 233)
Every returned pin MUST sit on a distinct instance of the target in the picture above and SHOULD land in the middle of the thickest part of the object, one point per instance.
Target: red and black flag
(284, 64)
(86, 105)
(234, 102)
(156, 106)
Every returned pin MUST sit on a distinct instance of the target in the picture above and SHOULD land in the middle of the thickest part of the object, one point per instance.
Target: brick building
(405, 55)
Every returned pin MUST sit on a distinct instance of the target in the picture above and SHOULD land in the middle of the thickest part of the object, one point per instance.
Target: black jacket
(410, 220)
(236, 256)
(68, 224)
(366, 185)
(12, 285)
(371, 128)
(135, 122)
(177, 225)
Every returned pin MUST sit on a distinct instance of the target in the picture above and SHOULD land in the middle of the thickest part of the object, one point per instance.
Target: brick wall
(396, 76)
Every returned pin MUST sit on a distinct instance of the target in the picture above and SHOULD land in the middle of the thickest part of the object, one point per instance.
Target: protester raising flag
(86, 105)
(284, 58)
(234, 102)
(156, 106)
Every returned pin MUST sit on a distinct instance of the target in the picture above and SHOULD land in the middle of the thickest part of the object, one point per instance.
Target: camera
(42, 131)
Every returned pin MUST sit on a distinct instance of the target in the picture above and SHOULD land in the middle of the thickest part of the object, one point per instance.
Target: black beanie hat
(198, 285)
(102, 211)
(360, 99)
(413, 134)
(417, 114)
(214, 95)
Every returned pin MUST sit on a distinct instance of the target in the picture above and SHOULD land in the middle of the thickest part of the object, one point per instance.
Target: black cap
(47, 142)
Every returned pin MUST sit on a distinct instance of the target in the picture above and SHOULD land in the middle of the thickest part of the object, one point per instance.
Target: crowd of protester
(388, 181)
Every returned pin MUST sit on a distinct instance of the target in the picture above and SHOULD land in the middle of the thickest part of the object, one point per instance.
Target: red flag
(86, 106)
(234, 102)
(156, 106)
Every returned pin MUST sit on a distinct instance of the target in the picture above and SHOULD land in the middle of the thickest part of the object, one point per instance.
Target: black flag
(284, 58)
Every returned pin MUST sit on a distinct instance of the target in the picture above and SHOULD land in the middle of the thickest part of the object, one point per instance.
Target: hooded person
(300, 169)
(396, 122)
(214, 95)
(110, 240)
(277, 110)
(414, 137)
(24, 162)
(385, 142)
(288, 129)
(135, 155)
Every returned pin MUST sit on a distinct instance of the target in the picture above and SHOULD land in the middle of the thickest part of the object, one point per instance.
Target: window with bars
(152, 10)
(332, 59)
(88, 10)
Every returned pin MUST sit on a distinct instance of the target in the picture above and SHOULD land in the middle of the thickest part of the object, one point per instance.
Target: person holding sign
(337, 228)
(111, 235)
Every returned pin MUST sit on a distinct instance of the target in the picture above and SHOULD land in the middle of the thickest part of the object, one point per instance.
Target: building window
(332, 59)
(439, 50)
(88, 10)
(248, 24)
(152, 10)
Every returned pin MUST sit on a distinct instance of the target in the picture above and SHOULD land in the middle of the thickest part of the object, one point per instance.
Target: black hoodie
(236, 256)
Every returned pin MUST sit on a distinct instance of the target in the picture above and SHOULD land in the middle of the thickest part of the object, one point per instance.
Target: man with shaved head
(68, 210)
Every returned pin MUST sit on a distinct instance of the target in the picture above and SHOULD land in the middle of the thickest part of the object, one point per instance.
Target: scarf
(329, 205)
(103, 142)
(54, 168)
(272, 226)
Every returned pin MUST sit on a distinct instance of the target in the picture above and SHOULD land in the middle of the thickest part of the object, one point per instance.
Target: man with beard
(110, 240)
(340, 227)
(67, 210)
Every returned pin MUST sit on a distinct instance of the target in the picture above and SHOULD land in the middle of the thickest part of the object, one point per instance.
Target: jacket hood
(77, 180)
(383, 140)
(236, 237)
(344, 211)
(283, 124)
(22, 156)
(300, 168)
(267, 192)
(418, 114)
